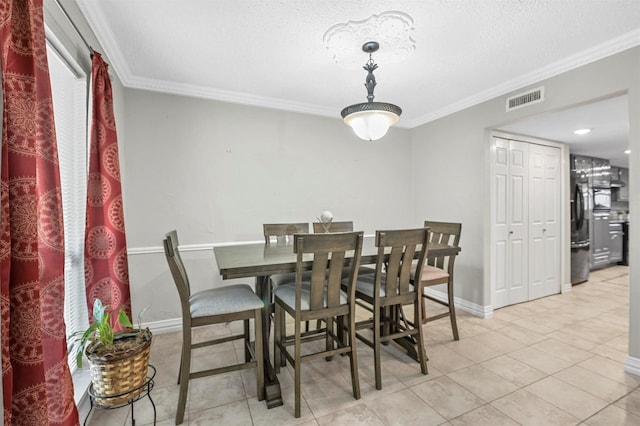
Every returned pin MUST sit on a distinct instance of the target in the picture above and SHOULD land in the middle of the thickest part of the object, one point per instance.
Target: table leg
(272, 392)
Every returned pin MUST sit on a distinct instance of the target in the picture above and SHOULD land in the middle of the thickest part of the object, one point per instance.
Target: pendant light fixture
(371, 120)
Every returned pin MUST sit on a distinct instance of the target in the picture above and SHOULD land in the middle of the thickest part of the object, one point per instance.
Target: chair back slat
(329, 253)
(444, 233)
(283, 230)
(318, 275)
(319, 227)
(334, 278)
(404, 246)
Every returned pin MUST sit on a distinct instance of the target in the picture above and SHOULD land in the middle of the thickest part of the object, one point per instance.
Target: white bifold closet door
(525, 221)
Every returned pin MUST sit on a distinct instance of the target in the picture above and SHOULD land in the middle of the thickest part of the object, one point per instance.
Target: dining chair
(439, 270)
(283, 232)
(320, 227)
(320, 297)
(388, 290)
(286, 230)
(344, 226)
(213, 306)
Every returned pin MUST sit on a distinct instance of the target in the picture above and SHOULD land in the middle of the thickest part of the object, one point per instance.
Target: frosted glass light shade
(370, 121)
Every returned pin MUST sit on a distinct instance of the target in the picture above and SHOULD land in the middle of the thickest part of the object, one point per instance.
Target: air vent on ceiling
(520, 100)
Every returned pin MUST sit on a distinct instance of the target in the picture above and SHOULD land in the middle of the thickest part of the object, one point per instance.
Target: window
(69, 92)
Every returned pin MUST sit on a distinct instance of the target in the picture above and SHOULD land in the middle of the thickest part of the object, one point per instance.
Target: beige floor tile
(569, 398)
(447, 360)
(483, 382)
(609, 352)
(580, 338)
(504, 314)
(447, 397)
(405, 408)
(235, 413)
(390, 381)
(602, 387)
(282, 415)
(631, 402)
(474, 350)
(522, 335)
(540, 360)
(562, 350)
(572, 340)
(213, 391)
(613, 416)
(537, 324)
(594, 330)
(356, 415)
(517, 372)
(469, 329)
(166, 402)
(109, 417)
(500, 342)
(489, 323)
(326, 396)
(484, 416)
(530, 410)
(610, 369)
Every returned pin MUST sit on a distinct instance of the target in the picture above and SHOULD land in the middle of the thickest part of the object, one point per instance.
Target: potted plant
(118, 359)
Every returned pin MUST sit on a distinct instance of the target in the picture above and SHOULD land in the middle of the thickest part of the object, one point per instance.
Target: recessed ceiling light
(581, 131)
(627, 151)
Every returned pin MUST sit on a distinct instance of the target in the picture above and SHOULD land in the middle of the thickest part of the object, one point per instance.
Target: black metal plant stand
(148, 385)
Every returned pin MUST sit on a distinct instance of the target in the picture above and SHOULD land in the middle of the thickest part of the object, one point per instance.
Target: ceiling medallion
(392, 30)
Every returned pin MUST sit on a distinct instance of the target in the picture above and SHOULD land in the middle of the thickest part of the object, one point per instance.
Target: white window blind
(69, 92)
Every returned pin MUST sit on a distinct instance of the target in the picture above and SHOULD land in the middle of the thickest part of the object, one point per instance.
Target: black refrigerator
(580, 215)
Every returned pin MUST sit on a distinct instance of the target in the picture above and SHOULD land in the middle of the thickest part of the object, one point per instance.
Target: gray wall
(461, 140)
(217, 171)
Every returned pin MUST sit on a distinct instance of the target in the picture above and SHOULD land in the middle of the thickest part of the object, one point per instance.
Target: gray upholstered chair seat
(224, 300)
(287, 293)
(277, 280)
(365, 285)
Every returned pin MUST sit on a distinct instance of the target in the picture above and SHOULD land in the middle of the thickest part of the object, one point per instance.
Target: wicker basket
(120, 376)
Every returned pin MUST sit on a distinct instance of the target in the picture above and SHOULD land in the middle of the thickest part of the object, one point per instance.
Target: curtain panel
(106, 264)
(37, 385)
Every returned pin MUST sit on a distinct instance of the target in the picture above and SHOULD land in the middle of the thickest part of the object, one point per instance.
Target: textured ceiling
(271, 53)
(608, 120)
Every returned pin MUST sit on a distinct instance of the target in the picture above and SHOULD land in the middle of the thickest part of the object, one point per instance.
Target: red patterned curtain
(106, 266)
(36, 382)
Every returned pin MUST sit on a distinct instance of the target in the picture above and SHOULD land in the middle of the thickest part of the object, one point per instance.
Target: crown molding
(119, 64)
(600, 51)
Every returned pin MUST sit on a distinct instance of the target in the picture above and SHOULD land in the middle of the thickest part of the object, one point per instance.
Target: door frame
(565, 229)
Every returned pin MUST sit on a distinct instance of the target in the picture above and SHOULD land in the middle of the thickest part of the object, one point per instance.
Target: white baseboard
(473, 308)
(164, 326)
(175, 324)
(632, 365)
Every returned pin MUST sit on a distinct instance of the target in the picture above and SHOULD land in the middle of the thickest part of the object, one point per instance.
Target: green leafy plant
(99, 332)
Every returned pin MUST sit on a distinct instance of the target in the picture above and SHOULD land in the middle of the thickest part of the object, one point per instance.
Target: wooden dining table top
(259, 259)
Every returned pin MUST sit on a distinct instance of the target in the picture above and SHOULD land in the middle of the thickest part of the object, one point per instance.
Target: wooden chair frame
(345, 226)
(444, 233)
(283, 230)
(394, 277)
(324, 300)
(253, 352)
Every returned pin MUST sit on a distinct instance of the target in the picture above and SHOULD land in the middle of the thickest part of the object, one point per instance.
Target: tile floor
(554, 361)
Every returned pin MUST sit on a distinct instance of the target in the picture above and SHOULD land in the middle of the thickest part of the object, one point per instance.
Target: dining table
(260, 260)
